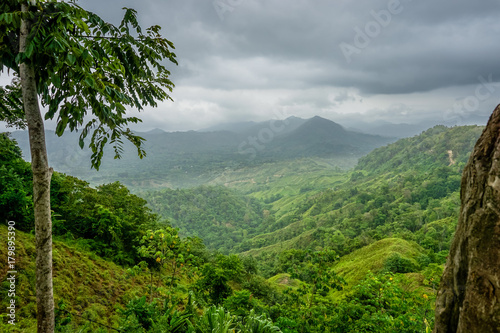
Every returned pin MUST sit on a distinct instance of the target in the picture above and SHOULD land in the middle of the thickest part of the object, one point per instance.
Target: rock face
(469, 295)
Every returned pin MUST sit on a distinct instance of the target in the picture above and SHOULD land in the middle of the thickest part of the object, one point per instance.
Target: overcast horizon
(365, 61)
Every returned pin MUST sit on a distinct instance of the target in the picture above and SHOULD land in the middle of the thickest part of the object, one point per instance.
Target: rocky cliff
(469, 295)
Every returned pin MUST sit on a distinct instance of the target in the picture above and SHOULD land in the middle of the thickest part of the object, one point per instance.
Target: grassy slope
(90, 286)
(354, 266)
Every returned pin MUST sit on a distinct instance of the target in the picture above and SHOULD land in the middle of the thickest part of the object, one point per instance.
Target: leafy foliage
(307, 306)
(15, 187)
(83, 63)
(379, 304)
(169, 256)
(110, 218)
(213, 284)
(254, 323)
(11, 107)
(398, 264)
(216, 319)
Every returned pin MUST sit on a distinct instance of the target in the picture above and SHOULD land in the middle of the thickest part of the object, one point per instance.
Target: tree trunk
(469, 295)
(41, 190)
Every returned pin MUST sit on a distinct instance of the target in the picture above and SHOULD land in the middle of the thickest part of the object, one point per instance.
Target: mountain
(278, 127)
(186, 159)
(294, 138)
(247, 128)
(319, 136)
(156, 131)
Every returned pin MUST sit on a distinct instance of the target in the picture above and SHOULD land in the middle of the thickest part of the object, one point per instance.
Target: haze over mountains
(183, 159)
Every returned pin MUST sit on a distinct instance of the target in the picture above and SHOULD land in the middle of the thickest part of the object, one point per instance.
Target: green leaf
(8, 18)
(83, 60)
(56, 81)
(89, 80)
(61, 126)
(71, 59)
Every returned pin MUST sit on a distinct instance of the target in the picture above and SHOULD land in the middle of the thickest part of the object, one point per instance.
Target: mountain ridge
(186, 159)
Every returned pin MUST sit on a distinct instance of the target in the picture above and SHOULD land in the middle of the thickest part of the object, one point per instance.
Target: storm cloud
(392, 60)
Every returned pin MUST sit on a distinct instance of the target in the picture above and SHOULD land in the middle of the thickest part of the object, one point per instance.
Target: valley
(318, 234)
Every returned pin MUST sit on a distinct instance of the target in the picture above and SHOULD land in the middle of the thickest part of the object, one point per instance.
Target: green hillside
(84, 284)
(283, 184)
(354, 266)
(308, 245)
(438, 146)
(314, 203)
(388, 194)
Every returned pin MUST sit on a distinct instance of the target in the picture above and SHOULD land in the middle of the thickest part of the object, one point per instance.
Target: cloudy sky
(400, 61)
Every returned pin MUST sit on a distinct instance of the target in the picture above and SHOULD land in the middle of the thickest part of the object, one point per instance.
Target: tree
(309, 302)
(164, 251)
(86, 72)
(383, 303)
(15, 193)
(213, 284)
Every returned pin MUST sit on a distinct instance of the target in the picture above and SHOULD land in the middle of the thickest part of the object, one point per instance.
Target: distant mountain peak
(294, 118)
(156, 131)
(323, 124)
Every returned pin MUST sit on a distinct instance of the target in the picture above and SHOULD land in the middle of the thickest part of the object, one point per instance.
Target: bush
(398, 264)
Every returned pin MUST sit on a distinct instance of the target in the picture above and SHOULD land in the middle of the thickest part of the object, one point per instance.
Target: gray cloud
(268, 55)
